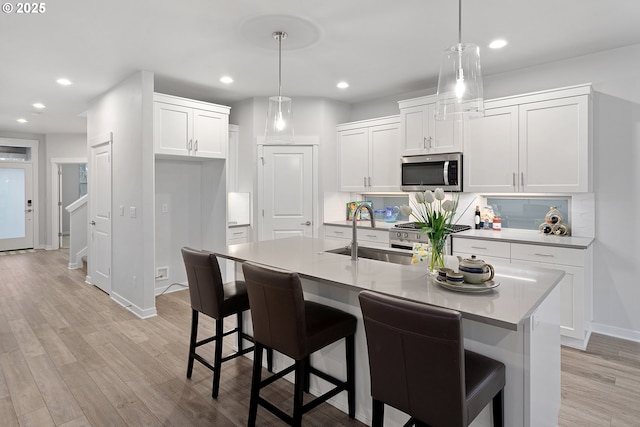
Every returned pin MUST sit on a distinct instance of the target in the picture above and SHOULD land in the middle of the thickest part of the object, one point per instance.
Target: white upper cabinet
(491, 151)
(536, 143)
(188, 128)
(421, 133)
(369, 155)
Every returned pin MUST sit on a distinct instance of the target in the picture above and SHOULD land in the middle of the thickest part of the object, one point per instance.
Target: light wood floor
(69, 356)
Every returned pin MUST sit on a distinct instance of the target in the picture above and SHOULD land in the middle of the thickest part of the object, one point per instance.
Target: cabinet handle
(514, 180)
(189, 144)
(196, 149)
(369, 181)
(478, 247)
(238, 233)
(545, 255)
(522, 180)
(364, 182)
(338, 232)
(371, 235)
(424, 142)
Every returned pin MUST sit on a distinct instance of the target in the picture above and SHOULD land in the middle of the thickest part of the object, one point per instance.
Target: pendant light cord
(459, 21)
(279, 63)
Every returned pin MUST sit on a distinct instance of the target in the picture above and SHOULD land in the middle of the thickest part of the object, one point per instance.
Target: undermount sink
(376, 254)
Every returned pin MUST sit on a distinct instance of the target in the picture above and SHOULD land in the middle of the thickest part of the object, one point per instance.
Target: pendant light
(279, 124)
(460, 92)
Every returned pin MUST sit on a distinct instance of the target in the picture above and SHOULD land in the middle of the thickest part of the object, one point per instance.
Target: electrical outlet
(165, 208)
(162, 273)
(121, 210)
(132, 212)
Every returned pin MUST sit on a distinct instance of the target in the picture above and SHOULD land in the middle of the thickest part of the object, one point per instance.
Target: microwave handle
(445, 172)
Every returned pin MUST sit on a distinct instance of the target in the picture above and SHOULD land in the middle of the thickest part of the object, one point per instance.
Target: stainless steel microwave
(420, 173)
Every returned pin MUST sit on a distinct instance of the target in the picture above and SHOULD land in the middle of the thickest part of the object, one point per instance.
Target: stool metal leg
(351, 374)
(300, 382)
(239, 330)
(498, 409)
(255, 385)
(192, 341)
(217, 361)
(378, 414)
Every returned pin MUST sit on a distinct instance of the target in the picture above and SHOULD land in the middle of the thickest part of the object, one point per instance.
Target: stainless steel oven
(420, 173)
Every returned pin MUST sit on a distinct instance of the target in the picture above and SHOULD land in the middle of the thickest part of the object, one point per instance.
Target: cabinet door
(384, 155)
(338, 232)
(232, 158)
(209, 134)
(172, 129)
(353, 159)
(491, 152)
(554, 145)
(414, 130)
(445, 136)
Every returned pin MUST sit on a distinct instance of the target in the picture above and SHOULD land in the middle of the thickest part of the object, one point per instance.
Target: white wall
(615, 75)
(126, 110)
(59, 146)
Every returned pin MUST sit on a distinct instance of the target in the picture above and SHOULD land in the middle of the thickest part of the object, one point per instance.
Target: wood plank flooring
(70, 356)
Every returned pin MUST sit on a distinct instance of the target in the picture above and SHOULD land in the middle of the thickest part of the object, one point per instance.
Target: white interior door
(287, 191)
(99, 176)
(16, 206)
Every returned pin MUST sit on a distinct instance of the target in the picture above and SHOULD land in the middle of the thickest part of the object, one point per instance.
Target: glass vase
(436, 260)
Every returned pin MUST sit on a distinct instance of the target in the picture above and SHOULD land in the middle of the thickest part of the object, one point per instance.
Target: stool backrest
(205, 281)
(416, 358)
(277, 309)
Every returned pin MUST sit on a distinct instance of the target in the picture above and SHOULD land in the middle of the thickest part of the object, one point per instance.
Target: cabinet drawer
(237, 235)
(547, 254)
(370, 235)
(337, 232)
(482, 247)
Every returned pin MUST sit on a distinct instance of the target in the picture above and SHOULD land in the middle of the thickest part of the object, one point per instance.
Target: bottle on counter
(497, 223)
(477, 218)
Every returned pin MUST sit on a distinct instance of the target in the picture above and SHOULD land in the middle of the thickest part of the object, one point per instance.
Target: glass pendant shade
(460, 91)
(279, 121)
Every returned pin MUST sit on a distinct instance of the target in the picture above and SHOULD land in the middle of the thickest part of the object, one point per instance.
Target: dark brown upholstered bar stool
(285, 322)
(210, 296)
(418, 365)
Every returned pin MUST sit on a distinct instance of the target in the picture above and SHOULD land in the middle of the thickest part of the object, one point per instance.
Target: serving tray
(469, 287)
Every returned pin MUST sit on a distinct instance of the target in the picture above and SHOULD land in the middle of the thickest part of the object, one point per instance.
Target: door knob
(28, 210)
(92, 222)
(306, 223)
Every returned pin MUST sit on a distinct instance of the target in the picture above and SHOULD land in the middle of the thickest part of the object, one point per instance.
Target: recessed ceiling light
(498, 44)
(343, 85)
(226, 80)
(64, 82)
(21, 120)
(39, 105)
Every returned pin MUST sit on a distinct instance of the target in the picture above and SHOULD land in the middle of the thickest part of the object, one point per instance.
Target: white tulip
(420, 197)
(439, 194)
(447, 206)
(406, 210)
(428, 196)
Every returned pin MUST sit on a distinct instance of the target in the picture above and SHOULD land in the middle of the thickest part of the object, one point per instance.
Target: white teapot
(474, 270)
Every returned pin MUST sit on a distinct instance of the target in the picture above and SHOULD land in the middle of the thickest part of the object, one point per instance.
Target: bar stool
(418, 364)
(285, 322)
(210, 296)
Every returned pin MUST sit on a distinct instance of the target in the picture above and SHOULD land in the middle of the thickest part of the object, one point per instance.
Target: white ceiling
(381, 47)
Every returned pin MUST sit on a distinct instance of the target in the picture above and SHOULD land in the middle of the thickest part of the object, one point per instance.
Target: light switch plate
(132, 212)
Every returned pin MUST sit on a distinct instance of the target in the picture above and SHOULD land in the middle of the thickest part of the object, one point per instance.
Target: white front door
(99, 177)
(16, 206)
(286, 191)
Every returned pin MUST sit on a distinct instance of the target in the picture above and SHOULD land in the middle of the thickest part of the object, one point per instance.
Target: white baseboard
(575, 342)
(173, 287)
(614, 331)
(73, 266)
(140, 312)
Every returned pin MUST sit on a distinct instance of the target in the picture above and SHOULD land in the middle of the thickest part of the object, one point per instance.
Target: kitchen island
(516, 323)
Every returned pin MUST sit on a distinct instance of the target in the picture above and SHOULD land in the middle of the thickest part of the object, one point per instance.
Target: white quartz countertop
(521, 290)
(532, 237)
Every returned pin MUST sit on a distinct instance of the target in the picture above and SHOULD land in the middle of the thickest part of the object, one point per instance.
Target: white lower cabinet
(235, 235)
(575, 288)
(366, 236)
